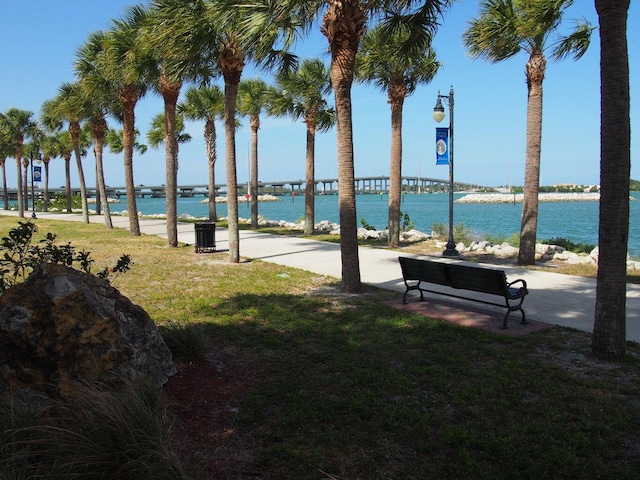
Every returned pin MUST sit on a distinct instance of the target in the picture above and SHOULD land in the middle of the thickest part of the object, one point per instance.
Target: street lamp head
(438, 110)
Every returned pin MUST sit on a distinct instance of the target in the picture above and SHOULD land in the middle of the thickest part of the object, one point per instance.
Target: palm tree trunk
(344, 24)
(255, 125)
(5, 193)
(25, 183)
(609, 330)
(342, 80)
(74, 130)
(99, 129)
(45, 202)
(529, 222)
(19, 189)
(129, 98)
(230, 97)
(210, 145)
(170, 92)
(310, 182)
(395, 167)
(67, 181)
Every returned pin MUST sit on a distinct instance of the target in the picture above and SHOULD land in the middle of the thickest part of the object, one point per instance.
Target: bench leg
(513, 309)
(412, 287)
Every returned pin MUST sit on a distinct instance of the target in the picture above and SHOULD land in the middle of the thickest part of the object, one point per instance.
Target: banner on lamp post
(37, 174)
(442, 146)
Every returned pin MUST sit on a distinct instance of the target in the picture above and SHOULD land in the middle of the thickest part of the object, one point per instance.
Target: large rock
(63, 326)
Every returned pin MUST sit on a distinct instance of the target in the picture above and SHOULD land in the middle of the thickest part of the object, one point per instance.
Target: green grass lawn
(346, 387)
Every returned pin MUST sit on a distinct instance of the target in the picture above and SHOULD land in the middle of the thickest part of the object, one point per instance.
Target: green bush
(406, 223)
(366, 225)
(461, 233)
(569, 245)
(20, 256)
(59, 202)
(513, 239)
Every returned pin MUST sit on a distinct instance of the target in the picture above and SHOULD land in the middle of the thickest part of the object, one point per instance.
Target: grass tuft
(186, 340)
(98, 434)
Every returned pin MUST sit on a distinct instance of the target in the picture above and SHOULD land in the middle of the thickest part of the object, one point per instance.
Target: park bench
(489, 281)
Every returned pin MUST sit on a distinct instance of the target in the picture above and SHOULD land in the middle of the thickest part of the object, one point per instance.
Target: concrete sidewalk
(557, 299)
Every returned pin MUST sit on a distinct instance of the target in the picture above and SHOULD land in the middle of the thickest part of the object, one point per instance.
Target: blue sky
(39, 38)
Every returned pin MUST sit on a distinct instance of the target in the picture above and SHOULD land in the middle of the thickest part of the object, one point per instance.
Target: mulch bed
(469, 315)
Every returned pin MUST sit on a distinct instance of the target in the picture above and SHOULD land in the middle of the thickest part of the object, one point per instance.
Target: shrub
(406, 223)
(366, 225)
(461, 233)
(59, 202)
(21, 256)
(569, 245)
(513, 239)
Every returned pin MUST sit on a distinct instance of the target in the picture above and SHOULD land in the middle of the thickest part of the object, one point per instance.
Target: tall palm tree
(344, 23)
(503, 29)
(609, 329)
(65, 150)
(253, 99)
(70, 106)
(396, 65)
(6, 149)
(17, 124)
(127, 62)
(176, 62)
(214, 27)
(52, 147)
(302, 94)
(206, 103)
(102, 100)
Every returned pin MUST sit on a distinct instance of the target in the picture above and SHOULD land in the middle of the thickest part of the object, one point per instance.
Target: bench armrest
(522, 290)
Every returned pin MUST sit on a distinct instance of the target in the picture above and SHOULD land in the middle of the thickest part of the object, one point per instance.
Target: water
(575, 221)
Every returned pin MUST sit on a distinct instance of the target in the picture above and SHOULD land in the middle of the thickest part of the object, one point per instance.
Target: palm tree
(344, 23)
(16, 125)
(502, 30)
(126, 62)
(214, 27)
(176, 61)
(6, 149)
(70, 106)
(397, 66)
(65, 146)
(302, 95)
(102, 100)
(253, 98)
(609, 329)
(206, 103)
(52, 147)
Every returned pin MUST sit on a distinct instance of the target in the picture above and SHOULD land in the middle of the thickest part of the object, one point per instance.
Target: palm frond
(494, 34)
(575, 44)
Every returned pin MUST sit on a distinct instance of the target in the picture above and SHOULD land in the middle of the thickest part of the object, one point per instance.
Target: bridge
(378, 184)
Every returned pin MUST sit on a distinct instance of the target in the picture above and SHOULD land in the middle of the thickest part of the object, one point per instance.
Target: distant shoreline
(518, 197)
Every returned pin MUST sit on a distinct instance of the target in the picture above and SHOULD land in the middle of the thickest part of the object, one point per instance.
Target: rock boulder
(62, 326)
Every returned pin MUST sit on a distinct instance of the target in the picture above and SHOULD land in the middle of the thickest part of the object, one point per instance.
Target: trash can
(205, 237)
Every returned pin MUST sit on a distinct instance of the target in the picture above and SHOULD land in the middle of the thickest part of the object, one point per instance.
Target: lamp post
(438, 116)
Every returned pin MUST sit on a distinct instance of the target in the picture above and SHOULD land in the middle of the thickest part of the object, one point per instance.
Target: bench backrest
(424, 270)
(478, 279)
(465, 277)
